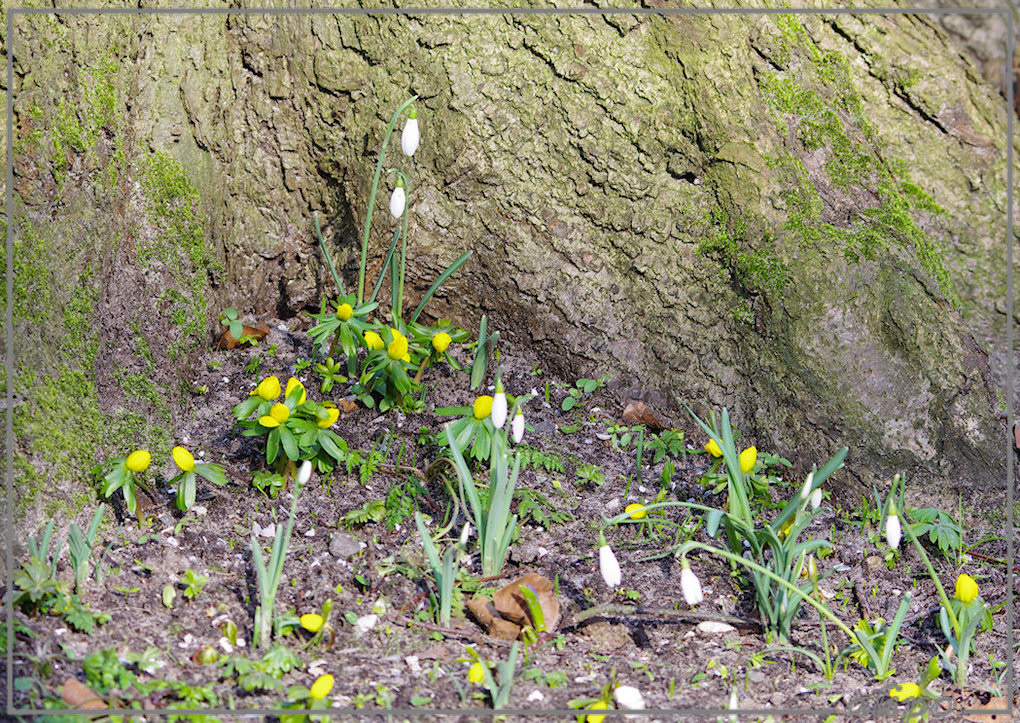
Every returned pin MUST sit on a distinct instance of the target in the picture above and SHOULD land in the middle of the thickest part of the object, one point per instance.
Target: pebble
(200, 510)
(714, 627)
(310, 533)
(612, 504)
(365, 623)
(536, 695)
(344, 546)
(413, 664)
(225, 644)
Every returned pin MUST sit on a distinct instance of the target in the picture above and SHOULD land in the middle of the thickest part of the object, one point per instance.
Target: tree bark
(800, 218)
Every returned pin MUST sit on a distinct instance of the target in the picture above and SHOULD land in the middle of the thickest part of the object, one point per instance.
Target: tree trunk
(799, 217)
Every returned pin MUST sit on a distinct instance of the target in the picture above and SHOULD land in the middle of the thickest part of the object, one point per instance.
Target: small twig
(625, 611)
(395, 469)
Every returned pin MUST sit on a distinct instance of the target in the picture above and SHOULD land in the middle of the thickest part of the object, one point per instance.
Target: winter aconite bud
(139, 460)
(183, 459)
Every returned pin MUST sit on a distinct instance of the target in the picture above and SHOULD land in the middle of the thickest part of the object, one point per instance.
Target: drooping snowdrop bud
(398, 200)
(805, 492)
(465, 534)
(499, 406)
(892, 527)
(816, 498)
(409, 137)
(690, 586)
(608, 565)
(305, 473)
(517, 427)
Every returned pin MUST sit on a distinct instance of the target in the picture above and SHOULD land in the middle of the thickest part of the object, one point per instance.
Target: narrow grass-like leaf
(440, 280)
(481, 355)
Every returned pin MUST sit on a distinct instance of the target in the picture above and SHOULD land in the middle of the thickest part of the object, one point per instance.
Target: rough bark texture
(800, 218)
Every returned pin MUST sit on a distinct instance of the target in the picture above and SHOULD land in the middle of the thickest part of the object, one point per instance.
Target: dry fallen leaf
(488, 617)
(511, 604)
(641, 413)
(976, 714)
(347, 406)
(78, 695)
(227, 340)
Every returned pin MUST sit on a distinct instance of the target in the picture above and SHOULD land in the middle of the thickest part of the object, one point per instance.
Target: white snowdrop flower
(690, 586)
(609, 566)
(805, 493)
(465, 534)
(398, 200)
(499, 408)
(816, 498)
(305, 473)
(517, 427)
(892, 527)
(629, 697)
(410, 136)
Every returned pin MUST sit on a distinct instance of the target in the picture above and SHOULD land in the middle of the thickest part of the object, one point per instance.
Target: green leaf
(568, 404)
(440, 280)
(481, 362)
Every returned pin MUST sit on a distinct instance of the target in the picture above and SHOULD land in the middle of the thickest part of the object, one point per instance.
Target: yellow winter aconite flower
(321, 687)
(279, 414)
(441, 341)
(268, 389)
(597, 717)
(482, 407)
(312, 622)
(966, 588)
(713, 449)
(373, 340)
(183, 459)
(398, 348)
(747, 459)
(476, 674)
(329, 421)
(636, 510)
(291, 383)
(139, 460)
(344, 312)
(905, 691)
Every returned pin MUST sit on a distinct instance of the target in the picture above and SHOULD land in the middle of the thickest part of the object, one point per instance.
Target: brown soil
(407, 662)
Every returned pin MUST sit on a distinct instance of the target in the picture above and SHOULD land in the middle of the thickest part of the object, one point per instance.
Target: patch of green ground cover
(755, 269)
(65, 429)
(820, 103)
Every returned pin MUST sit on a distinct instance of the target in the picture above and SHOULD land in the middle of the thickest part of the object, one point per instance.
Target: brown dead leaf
(510, 602)
(641, 413)
(976, 714)
(78, 695)
(488, 617)
(227, 340)
(347, 406)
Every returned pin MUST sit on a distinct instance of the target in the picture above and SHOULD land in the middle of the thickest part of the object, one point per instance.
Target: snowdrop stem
(398, 292)
(375, 188)
(822, 609)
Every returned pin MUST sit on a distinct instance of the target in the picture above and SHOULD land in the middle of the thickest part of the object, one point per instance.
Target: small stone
(612, 505)
(710, 628)
(536, 695)
(269, 531)
(365, 623)
(310, 533)
(413, 664)
(344, 546)
(874, 562)
(226, 646)
(200, 510)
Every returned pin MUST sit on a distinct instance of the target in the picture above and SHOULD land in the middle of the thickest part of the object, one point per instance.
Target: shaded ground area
(576, 472)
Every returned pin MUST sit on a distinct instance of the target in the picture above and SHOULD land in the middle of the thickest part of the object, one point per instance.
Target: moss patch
(173, 205)
(817, 106)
